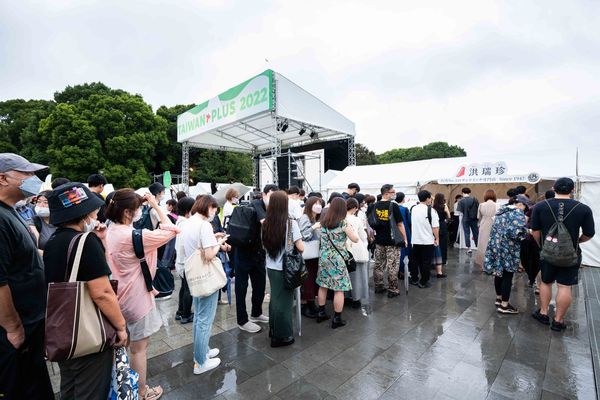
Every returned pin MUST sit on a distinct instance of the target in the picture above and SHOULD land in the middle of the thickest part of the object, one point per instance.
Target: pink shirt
(135, 301)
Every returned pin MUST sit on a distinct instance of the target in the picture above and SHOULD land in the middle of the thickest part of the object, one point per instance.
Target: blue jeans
(205, 309)
(470, 225)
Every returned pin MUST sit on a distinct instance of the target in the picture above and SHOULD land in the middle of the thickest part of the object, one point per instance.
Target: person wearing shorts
(579, 222)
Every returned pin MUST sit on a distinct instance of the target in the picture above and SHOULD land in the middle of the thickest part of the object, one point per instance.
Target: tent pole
(351, 151)
(289, 168)
(185, 166)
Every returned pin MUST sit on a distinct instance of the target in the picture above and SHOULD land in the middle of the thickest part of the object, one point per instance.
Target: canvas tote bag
(204, 277)
(75, 326)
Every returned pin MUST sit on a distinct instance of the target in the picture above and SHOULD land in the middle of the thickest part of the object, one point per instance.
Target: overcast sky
(494, 77)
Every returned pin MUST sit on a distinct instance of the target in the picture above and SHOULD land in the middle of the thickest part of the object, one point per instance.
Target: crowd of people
(337, 238)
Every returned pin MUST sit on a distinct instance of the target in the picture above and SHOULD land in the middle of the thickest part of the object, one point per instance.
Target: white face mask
(234, 200)
(364, 208)
(211, 216)
(89, 226)
(42, 211)
(20, 203)
(137, 216)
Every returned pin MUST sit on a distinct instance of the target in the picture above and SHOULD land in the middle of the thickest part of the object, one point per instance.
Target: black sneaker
(356, 304)
(558, 326)
(380, 290)
(177, 316)
(441, 275)
(414, 283)
(424, 285)
(498, 302)
(509, 309)
(544, 319)
(186, 320)
(391, 295)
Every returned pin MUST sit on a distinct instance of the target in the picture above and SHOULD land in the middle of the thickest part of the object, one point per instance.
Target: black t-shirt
(383, 229)
(21, 267)
(101, 216)
(580, 219)
(93, 259)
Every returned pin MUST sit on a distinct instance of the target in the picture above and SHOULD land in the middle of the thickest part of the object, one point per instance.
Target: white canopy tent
(264, 114)
(530, 169)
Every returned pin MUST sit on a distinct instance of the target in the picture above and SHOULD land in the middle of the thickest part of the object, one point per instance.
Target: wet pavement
(445, 342)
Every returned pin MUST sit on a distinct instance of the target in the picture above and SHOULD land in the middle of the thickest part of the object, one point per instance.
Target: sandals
(153, 393)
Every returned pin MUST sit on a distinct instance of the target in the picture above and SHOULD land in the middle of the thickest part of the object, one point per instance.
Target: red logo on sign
(461, 172)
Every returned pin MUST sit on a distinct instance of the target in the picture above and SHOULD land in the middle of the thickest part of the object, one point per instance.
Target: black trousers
(503, 285)
(87, 377)
(23, 372)
(444, 245)
(421, 257)
(530, 258)
(185, 299)
(249, 266)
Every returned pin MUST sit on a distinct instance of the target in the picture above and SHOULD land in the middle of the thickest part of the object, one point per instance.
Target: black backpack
(163, 281)
(428, 216)
(243, 227)
(557, 247)
(145, 222)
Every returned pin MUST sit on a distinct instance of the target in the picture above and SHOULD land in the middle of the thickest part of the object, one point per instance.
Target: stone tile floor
(446, 342)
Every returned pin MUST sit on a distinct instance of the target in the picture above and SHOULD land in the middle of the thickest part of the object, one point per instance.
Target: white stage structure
(262, 116)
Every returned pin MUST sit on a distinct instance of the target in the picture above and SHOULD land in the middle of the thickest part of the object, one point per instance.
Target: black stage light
(284, 126)
(302, 131)
(313, 135)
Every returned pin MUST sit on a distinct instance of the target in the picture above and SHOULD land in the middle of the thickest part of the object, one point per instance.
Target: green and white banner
(244, 100)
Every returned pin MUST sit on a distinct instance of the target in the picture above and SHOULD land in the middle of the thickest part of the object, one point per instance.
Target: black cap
(71, 201)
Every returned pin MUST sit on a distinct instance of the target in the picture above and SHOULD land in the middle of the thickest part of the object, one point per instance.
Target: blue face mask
(31, 186)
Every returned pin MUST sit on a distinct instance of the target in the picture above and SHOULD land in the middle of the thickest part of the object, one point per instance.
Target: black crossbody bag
(350, 262)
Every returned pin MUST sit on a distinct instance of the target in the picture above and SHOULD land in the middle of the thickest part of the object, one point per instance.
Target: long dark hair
(438, 205)
(336, 213)
(275, 224)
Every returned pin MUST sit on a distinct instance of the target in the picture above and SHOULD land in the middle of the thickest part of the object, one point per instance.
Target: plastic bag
(124, 381)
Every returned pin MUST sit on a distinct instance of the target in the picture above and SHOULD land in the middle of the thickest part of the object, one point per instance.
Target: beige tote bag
(204, 277)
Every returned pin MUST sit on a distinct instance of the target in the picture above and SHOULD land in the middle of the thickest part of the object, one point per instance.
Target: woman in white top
(360, 252)
(277, 230)
(232, 198)
(486, 214)
(197, 234)
(310, 227)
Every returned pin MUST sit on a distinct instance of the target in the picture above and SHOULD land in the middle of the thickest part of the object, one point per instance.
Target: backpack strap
(551, 211)
(138, 248)
(569, 213)
(429, 216)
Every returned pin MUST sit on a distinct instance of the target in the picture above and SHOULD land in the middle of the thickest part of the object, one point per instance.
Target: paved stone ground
(446, 342)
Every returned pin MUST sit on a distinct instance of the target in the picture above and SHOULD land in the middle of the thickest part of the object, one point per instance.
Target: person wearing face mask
(197, 233)
(310, 227)
(136, 301)
(41, 227)
(74, 211)
(23, 372)
(502, 256)
(232, 198)
(250, 264)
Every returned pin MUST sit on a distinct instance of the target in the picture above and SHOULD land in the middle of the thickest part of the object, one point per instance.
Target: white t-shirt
(422, 232)
(196, 232)
(276, 264)
(294, 209)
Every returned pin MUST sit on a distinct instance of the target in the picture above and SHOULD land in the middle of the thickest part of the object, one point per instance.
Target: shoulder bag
(397, 236)
(350, 262)
(204, 277)
(294, 268)
(75, 326)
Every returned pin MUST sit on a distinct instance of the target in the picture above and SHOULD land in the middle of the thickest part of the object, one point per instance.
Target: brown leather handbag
(75, 326)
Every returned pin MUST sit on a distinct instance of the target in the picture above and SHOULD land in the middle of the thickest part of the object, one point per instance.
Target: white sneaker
(223, 301)
(263, 319)
(210, 363)
(469, 251)
(250, 327)
(212, 353)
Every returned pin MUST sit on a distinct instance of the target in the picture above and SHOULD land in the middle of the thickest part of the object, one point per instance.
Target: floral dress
(333, 273)
(504, 248)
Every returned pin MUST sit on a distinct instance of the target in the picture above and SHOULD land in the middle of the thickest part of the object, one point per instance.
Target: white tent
(518, 169)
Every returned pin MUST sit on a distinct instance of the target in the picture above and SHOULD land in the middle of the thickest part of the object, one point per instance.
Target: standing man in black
(579, 221)
(468, 206)
(250, 263)
(96, 184)
(23, 372)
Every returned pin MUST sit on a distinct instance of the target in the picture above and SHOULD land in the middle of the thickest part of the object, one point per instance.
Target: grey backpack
(557, 246)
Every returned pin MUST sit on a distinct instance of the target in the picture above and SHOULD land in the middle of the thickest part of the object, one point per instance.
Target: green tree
(19, 122)
(364, 156)
(429, 151)
(169, 156)
(220, 166)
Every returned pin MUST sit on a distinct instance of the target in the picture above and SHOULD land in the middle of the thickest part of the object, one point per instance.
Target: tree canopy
(364, 156)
